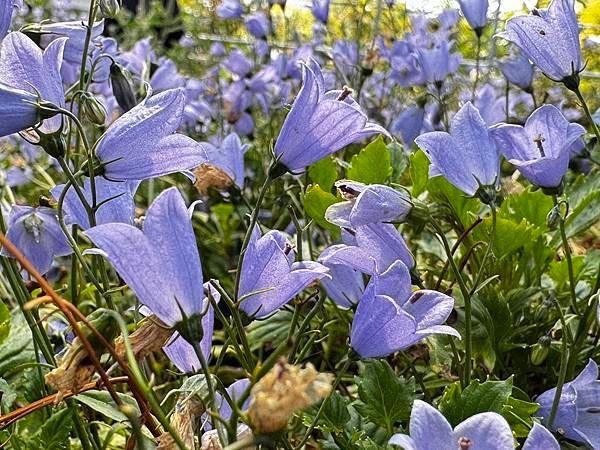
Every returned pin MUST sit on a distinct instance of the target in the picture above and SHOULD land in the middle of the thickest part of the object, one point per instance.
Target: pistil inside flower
(34, 224)
(464, 443)
(346, 91)
(539, 142)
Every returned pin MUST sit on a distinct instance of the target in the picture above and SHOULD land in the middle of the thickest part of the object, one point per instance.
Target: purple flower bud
(518, 71)
(230, 9)
(475, 11)
(258, 25)
(320, 9)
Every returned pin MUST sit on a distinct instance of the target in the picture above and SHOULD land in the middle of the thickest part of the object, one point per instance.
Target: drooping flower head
(320, 9)
(320, 123)
(26, 73)
(467, 156)
(390, 317)
(475, 11)
(258, 25)
(541, 148)
(549, 38)
(270, 277)
(429, 430)
(143, 142)
(162, 266)
(37, 234)
(577, 416)
(518, 71)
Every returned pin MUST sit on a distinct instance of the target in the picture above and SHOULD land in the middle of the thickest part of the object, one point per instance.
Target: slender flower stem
(253, 222)
(567, 249)
(588, 114)
(466, 379)
(487, 254)
(477, 68)
(564, 357)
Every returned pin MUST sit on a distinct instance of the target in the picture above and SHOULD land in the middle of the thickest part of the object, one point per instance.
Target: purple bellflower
(369, 247)
(541, 148)
(230, 9)
(346, 285)
(115, 198)
(518, 71)
(7, 9)
(391, 317)
(25, 73)
(37, 234)
(367, 204)
(540, 439)
(258, 25)
(162, 266)
(408, 125)
(475, 11)
(429, 430)
(238, 63)
(229, 157)
(437, 63)
(150, 129)
(577, 416)
(320, 9)
(270, 277)
(467, 156)
(320, 123)
(550, 39)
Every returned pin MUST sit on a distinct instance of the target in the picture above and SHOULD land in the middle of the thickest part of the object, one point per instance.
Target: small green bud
(54, 144)
(109, 8)
(92, 109)
(539, 353)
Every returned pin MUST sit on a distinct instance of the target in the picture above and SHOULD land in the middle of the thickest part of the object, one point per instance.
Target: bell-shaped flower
(540, 439)
(76, 32)
(230, 9)
(238, 63)
(408, 125)
(25, 68)
(429, 430)
(115, 200)
(270, 276)
(143, 142)
(7, 9)
(37, 234)
(475, 11)
(437, 62)
(541, 148)
(320, 123)
(320, 9)
(162, 266)
(549, 38)
(467, 156)
(17, 110)
(367, 204)
(391, 317)
(258, 25)
(577, 416)
(518, 71)
(368, 247)
(225, 163)
(346, 285)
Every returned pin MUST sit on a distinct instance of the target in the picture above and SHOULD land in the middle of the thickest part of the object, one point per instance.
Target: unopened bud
(54, 144)
(92, 109)
(539, 352)
(109, 8)
(122, 87)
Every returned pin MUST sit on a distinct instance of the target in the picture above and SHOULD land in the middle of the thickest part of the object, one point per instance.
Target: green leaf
(461, 207)
(490, 396)
(584, 216)
(419, 172)
(316, 201)
(7, 396)
(372, 164)
(532, 206)
(516, 412)
(324, 173)
(385, 398)
(101, 402)
(54, 434)
(4, 322)
(335, 413)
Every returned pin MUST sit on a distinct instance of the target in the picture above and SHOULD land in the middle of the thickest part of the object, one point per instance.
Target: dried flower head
(210, 439)
(187, 409)
(209, 176)
(150, 337)
(283, 391)
(75, 370)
